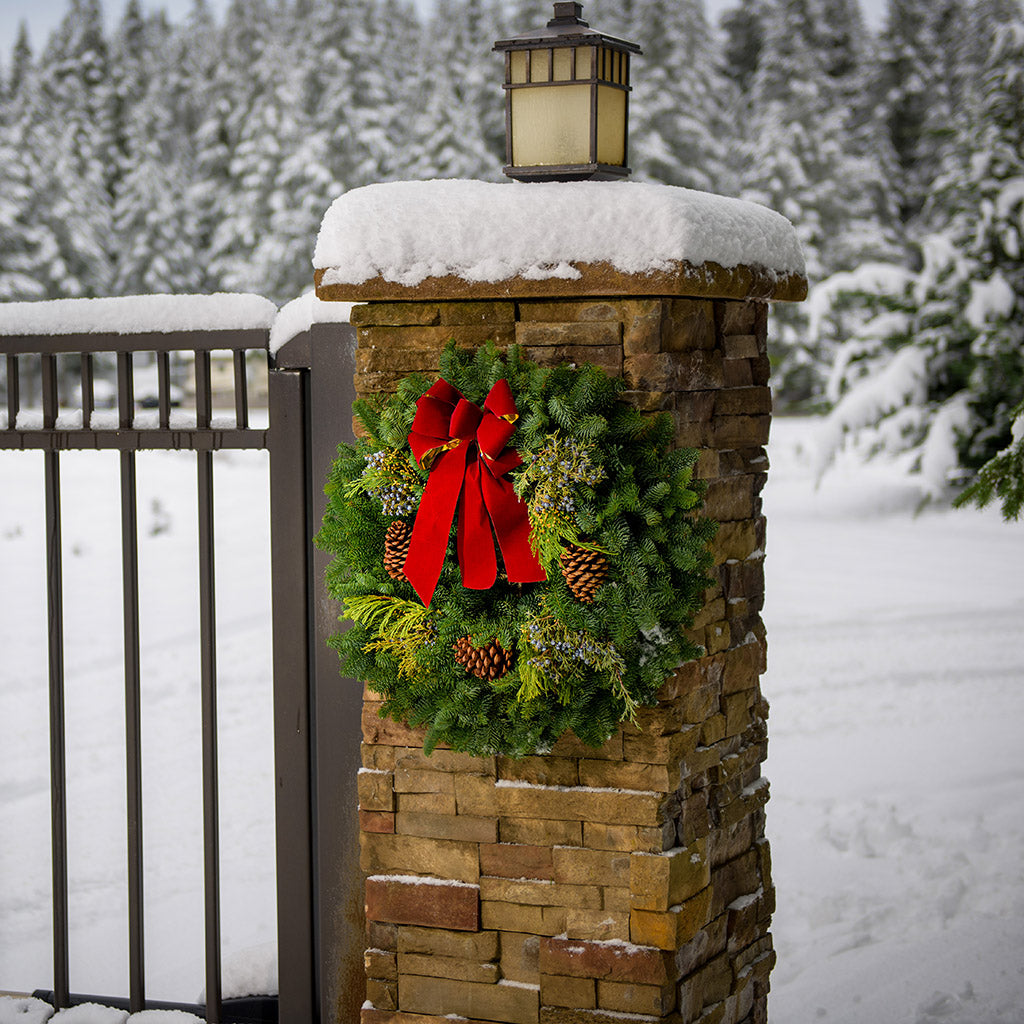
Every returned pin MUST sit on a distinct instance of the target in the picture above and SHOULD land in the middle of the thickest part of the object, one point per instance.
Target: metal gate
(318, 923)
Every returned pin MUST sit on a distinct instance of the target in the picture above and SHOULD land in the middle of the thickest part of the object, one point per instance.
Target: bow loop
(448, 431)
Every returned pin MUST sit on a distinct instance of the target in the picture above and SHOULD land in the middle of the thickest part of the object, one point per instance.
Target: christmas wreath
(517, 550)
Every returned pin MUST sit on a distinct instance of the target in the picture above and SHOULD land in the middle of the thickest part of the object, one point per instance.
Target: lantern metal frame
(609, 69)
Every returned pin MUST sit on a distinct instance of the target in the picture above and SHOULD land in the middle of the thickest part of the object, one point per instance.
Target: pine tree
(677, 132)
(938, 386)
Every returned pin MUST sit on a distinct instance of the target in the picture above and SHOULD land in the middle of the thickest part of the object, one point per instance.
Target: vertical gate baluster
(241, 393)
(55, 636)
(13, 392)
(132, 689)
(208, 655)
(88, 400)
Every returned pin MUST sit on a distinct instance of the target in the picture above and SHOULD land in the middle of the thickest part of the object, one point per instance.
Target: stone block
(376, 821)
(381, 963)
(608, 357)
(569, 745)
(557, 311)
(738, 431)
(486, 313)
(650, 401)
(386, 732)
(642, 325)
(611, 961)
(453, 968)
(712, 730)
(740, 346)
(517, 860)
(735, 541)
(671, 929)
(520, 956)
(382, 935)
(426, 803)
(736, 317)
(384, 854)
(540, 831)
(478, 946)
(371, 1015)
(430, 903)
(578, 866)
(734, 879)
(416, 781)
(414, 759)
(511, 1004)
(662, 880)
(597, 925)
(394, 314)
(475, 795)
(743, 401)
(629, 838)
(655, 1000)
(717, 637)
(659, 778)
(521, 917)
(448, 826)
(575, 993)
(709, 984)
(689, 324)
(741, 667)
(760, 370)
(599, 334)
(664, 750)
(651, 371)
(695, 406)
(378, 758)
(568, 803)
(537, 892)
(730, 499)
(545, 771)
(699, 370)
(382, 994)
(376, 790)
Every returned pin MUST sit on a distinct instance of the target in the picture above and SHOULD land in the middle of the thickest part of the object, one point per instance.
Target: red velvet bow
(464, 448)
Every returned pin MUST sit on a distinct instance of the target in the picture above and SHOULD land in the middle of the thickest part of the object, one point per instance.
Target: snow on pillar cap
(454, 239)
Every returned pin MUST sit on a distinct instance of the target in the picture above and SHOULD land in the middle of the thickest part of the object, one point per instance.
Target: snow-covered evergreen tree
(937, 385)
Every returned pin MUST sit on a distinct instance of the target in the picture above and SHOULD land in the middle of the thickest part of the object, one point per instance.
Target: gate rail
(129, 430)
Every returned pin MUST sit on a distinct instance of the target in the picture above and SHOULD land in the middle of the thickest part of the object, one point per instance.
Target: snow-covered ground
(897, 687)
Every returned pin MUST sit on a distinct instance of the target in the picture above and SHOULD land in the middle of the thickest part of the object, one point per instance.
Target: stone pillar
(631, 879)
(581, 885)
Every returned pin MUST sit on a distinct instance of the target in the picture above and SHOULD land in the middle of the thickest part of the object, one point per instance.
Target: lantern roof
(568, 29)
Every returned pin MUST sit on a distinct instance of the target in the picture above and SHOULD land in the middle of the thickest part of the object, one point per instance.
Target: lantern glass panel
(517, 67)
(540, 65)
(551, 126)
(611, 125)
(562, 67)
(584, 62)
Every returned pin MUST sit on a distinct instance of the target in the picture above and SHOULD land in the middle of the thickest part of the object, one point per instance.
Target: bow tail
(511, 521)
(477, 557)
(433, 524)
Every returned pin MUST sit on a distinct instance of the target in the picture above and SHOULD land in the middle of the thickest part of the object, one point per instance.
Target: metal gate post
(324, 722)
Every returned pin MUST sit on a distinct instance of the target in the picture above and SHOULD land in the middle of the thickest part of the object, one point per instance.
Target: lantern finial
(567, 14)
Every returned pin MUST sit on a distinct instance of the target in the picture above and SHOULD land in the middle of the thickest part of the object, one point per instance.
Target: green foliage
(1001, 477)
(595, 472)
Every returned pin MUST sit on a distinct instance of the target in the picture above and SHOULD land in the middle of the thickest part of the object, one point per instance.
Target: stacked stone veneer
(577, 886)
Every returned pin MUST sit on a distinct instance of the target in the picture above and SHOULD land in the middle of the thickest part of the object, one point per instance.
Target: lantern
(566, 101)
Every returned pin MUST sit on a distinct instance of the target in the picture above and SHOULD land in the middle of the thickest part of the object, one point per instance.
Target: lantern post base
(568, 172)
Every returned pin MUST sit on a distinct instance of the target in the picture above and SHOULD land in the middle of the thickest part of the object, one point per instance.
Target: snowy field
(897, 687)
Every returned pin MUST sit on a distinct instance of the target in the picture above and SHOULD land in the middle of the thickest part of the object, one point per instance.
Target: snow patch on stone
(297, 316)
(407, 231)
(519, 784)
(421, 880)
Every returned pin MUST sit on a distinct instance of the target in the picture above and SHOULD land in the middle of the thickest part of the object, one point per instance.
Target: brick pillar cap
(452, 240)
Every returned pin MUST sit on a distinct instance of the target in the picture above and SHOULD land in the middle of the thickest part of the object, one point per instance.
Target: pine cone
(584, 571)
(491, 661)
(396, 548)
